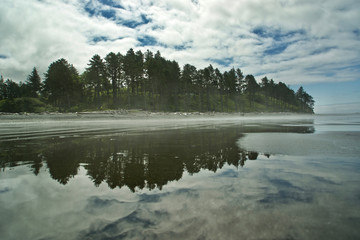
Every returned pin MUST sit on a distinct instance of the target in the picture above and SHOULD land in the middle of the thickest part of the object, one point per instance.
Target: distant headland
(149, 82)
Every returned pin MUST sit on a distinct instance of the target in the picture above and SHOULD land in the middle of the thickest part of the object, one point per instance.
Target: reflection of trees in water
(13, 154)
(136, 161)
(153, 160)
(244, 155)
(62, 161)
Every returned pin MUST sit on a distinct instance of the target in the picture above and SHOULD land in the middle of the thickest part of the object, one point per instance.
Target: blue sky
(315, 44)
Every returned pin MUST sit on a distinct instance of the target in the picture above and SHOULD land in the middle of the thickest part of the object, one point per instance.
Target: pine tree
(34, 83)
(61, 83)
(113, 70)
(2, 88)
(251, 87)
(96, 76)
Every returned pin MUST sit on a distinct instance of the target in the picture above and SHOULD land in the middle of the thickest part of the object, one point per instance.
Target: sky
(314, 44)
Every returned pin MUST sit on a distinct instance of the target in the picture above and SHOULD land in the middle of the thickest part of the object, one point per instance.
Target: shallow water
(235, 177)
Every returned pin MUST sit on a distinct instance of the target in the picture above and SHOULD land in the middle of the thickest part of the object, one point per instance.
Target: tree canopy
(34, 83)
(61, 85)
(149, 81)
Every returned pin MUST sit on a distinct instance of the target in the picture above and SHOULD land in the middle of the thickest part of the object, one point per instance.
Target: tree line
(151, 82)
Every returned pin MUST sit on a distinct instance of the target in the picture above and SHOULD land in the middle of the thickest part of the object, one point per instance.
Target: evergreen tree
(152, 80)
(240, 80)
(61, 84)
(188, 76)
(34, 83)
(251, 87)
(113, 70)
(305, 99)
(139, 70)
(9, 89)
(129, 63)
(12, 89)
(265, 86)
(172, 76)
(2, 88)
(96, 76)
(149, 70)
(300, 93)
(230, 81)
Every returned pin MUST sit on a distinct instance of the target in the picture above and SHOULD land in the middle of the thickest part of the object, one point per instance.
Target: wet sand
(29, 126)
(198, 177)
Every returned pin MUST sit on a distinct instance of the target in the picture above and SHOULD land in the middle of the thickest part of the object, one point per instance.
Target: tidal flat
(179, 176)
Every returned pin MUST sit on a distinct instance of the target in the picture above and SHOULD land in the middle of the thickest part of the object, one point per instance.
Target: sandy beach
(31, 125)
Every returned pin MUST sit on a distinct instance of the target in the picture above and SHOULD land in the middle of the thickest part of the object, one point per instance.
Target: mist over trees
(148, 81)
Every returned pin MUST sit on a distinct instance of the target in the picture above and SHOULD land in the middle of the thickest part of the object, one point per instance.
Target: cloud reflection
(189, 184)
(136, 161)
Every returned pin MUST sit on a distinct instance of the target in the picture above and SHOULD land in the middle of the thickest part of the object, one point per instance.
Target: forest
(149, 82)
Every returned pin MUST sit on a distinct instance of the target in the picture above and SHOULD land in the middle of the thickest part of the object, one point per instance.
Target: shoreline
(61, 125)
(138, 114)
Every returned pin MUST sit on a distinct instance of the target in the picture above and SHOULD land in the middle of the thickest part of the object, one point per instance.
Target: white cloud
(291, 41)
(56, 30)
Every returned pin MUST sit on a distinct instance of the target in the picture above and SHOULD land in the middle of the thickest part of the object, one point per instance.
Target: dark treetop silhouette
(148, 81)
